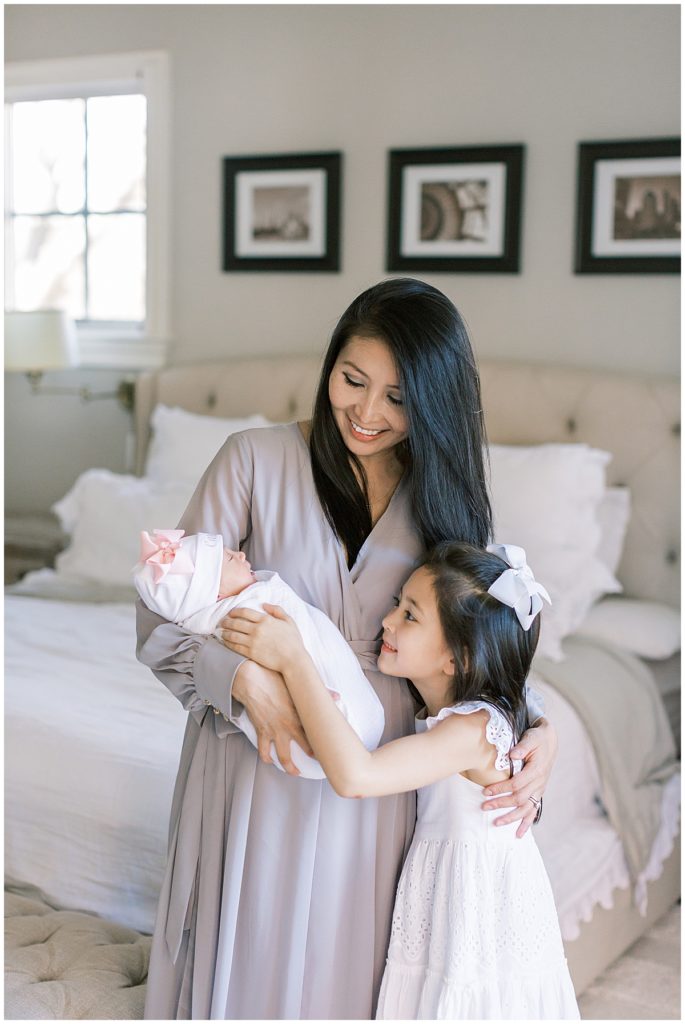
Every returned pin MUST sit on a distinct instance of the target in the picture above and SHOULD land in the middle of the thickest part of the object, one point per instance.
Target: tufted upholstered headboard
(636, 418)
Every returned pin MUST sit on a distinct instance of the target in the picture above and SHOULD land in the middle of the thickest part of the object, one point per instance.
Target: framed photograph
(455, 210)
(282, 212)
(628, 215)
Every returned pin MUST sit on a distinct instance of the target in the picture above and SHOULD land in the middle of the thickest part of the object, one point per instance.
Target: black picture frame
(420, 205)
(609, 238)
(255, 236)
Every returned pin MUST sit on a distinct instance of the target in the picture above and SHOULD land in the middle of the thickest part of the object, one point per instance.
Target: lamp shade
(41, 340)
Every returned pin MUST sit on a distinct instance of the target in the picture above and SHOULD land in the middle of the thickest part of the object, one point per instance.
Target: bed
(92, 739)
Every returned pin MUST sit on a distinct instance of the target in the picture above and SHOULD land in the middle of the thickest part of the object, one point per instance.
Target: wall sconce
(46, 340)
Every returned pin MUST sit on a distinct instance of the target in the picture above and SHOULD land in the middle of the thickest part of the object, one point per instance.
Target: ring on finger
(538, 808)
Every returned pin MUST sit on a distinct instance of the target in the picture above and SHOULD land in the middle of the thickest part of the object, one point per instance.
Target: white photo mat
(247, 182)
(414, 177)
(604, 186)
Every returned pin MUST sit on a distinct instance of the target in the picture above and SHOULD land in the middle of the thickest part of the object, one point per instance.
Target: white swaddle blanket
(335, 661)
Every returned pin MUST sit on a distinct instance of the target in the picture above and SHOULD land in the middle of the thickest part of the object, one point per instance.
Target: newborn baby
(195, 582)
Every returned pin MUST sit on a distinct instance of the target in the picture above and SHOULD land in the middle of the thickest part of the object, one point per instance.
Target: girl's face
(413, 643)
(364, 392)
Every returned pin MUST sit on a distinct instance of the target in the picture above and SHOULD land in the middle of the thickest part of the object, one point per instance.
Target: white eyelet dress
(475, 933)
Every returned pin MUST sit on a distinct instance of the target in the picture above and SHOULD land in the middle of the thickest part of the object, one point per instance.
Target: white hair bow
(517, 587)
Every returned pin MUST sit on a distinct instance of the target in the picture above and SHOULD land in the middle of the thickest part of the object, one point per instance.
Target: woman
(278, 894)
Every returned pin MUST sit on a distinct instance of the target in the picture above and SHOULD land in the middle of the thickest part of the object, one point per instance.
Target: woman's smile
(364, 433)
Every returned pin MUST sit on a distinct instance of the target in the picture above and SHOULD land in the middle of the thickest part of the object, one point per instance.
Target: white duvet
(91, 752)
(92, 743)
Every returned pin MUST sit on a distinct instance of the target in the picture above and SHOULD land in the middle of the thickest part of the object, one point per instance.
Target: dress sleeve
(199, 670)
(497, 730)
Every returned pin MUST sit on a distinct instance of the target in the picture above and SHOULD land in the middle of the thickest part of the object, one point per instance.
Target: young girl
(474, 932)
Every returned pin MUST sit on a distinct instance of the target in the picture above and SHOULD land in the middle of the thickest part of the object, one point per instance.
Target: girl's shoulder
(498, 731)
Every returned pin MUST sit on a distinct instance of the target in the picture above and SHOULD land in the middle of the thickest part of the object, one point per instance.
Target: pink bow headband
(164, 554)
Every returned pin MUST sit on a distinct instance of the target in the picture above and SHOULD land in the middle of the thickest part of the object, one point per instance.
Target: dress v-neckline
(350, 570)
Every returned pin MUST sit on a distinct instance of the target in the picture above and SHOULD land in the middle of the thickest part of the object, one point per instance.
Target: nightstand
(31, 542)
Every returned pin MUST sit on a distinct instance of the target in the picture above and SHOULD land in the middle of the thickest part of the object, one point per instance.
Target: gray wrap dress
(278, 894)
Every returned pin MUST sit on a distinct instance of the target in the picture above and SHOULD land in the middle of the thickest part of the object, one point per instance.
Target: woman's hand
(538, 749)
(272, 640)
(265, 697)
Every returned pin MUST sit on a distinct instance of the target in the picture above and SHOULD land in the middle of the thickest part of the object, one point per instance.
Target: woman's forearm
(198, 671)
(340, 752)
(546, 733)
(240, 683)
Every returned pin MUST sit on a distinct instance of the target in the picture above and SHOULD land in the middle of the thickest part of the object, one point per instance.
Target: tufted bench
(68, 965)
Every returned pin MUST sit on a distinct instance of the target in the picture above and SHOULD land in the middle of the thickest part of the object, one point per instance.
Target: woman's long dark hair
(492, 652)
(445, 448)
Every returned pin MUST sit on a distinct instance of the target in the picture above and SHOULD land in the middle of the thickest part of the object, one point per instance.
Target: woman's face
(364, 392)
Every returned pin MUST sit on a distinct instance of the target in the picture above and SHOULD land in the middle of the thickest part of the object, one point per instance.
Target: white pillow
(646, 628)
(184, 443)
(613, 515)
(546, 498)
(104, 512)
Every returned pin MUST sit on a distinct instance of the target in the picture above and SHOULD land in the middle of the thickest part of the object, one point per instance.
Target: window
(76, 207)
(86, 200)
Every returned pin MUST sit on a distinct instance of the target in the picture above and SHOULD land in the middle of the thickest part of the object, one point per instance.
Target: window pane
(49, 264)
(116, 267)
(48, 150)
(116, 152)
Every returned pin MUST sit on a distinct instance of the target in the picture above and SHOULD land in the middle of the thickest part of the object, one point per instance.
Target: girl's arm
(397, 767)
(452, 746)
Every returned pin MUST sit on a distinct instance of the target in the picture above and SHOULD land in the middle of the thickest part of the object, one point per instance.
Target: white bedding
(92, 743)
(92, 747)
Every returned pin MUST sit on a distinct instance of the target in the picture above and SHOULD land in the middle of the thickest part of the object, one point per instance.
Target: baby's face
(236, 573)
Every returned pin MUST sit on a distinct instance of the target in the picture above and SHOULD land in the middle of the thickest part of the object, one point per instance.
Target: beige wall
(363, 79)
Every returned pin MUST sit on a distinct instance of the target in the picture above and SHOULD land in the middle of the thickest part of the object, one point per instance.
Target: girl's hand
(266, 699)
(272, 640)
(538, 749)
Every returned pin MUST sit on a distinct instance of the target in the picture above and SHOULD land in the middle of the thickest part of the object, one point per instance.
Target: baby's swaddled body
(334, 659)
(187, 595)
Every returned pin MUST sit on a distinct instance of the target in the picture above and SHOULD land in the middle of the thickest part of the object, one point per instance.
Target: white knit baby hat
(178, 575)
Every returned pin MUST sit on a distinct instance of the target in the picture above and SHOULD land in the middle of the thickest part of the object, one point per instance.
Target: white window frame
(148, 73)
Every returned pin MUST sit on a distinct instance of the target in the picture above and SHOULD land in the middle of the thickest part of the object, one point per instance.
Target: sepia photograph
(647, 207)
(456, 210)
(282, 214)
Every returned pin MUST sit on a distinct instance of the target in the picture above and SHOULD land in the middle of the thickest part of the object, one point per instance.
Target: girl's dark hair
(445, 449)
(492, 652)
